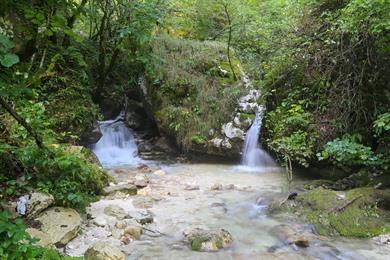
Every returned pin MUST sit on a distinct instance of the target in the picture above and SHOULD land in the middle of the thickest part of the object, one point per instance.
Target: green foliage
(15, 243)
(382, 124)
(188, 94)
(290, 134)
(7, 58)
(347, 152)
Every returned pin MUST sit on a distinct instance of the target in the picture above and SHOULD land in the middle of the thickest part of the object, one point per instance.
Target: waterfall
(117, 145)
(253, 155)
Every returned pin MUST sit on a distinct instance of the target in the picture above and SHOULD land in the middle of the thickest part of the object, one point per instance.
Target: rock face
(208, 240)
(91, 135)
(104, 251)
(38, 202)
(60, 224)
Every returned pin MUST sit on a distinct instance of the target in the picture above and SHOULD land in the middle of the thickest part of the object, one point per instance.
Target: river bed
(185, 198)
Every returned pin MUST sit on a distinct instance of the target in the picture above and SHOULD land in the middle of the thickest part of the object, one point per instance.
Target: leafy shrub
(15, 242)
(289, 133)
(346, 152)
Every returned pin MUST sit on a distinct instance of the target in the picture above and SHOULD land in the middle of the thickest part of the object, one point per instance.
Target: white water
(253, 156)
(117, 145)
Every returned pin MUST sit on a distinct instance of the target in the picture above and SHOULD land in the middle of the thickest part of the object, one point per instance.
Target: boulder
(130, 227)
(91, 135)
(115, 211)
(232, 132)
(104, 251)
(125, 188)
(290, 236)
(143, 202)
(38, 202)
(60, 224)
(208, 240)
(141, 180)
(44, 239)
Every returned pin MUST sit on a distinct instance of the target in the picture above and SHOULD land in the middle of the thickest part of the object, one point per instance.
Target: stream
(180, 196)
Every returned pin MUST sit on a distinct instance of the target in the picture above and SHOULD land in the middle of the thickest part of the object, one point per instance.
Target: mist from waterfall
(117, 145)
(253, 155)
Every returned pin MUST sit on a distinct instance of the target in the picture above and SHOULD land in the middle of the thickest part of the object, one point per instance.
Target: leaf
(9, 59)
(6, 42)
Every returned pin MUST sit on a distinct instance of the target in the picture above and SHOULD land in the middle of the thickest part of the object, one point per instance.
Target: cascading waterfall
(117, 145)
(253, 155)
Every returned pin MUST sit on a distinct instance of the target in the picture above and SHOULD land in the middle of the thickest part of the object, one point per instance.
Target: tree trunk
(229, 40)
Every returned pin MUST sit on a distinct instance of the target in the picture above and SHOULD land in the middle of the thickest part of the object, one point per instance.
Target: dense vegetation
(321, 65)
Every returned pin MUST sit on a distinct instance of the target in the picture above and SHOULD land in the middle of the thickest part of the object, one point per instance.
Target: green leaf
(9, 59)
(6, 42)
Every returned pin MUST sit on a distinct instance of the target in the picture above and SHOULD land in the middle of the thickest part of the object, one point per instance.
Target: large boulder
(104, 251)
(208, 240)
(37, 203)
(60, 224)
(232, 132)
(44, 239)
(91, 135)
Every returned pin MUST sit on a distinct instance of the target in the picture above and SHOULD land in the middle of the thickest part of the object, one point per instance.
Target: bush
(346, 152)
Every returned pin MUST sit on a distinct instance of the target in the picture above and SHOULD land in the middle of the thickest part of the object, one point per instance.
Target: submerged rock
(115, 211)
(287, 235)
(104, 251)
(208, 240)
(38, 202)
(60, 224)
(216, 186)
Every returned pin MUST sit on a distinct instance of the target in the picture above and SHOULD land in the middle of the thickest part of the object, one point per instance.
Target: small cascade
(117, 145)
(253, 155)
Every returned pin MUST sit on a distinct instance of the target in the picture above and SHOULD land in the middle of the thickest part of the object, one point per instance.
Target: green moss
(362, 213)
(196, 243)
(319, 199)
(198, 139)
(244, 116)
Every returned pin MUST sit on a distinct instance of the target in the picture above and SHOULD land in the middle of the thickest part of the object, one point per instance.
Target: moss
(319, 199)
(362, 213)
(244, 116)
(198, 139)
(196, 243)
(318, 183)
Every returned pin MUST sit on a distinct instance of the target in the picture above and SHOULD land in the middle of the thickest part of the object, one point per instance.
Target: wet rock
(104, 251)
(141, 180)
(290, 236)
(130, 227)
(124, 188)
(44, 239)
(143, 217)
(230, 187)
(60, 224)
(159, 173)
(143, 168)
(143, 202)
(216, 142)
(38, 202)
(216, 186)
(382, 239)
(115, 211)
(232, 132)
(191, 187)
(91, 135)
(208, 240)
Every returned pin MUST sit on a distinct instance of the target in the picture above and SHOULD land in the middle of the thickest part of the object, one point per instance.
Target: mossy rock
(209, 241)
(318, 183)
(361, 212)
